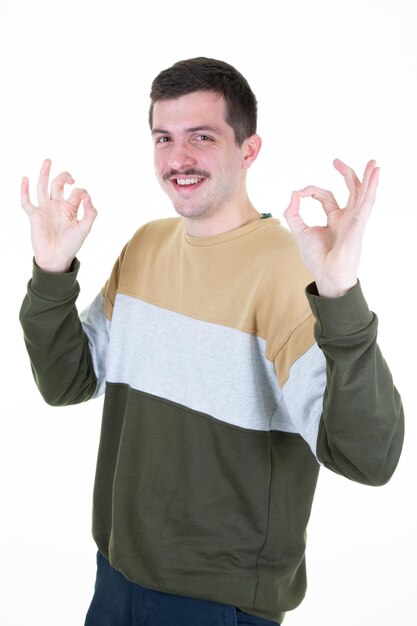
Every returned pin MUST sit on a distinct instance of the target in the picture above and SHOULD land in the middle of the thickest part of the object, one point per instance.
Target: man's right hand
(57, 233)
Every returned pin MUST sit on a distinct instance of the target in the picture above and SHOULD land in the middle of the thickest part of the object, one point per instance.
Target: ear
(250, 148)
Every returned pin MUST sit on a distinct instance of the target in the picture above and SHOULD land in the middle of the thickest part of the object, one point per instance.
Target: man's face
(197, 161)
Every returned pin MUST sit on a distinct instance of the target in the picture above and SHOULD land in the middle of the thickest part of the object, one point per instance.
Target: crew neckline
(229, 235)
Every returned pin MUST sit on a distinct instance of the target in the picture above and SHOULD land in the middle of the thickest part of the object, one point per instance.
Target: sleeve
(66, 353)
(361, 429)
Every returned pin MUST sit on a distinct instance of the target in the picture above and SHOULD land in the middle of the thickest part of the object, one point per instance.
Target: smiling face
(197, 161)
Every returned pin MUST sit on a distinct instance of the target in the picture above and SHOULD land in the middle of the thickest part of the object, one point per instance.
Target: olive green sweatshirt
(227, 384)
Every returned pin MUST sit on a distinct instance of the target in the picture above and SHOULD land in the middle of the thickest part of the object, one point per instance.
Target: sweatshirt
(228, 383)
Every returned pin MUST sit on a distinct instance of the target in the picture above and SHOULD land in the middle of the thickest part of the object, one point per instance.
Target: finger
(370, 167)
(57, 185)
(368, 200)
(25, 197)
(72, 204)
(43, 182)
(293, 217)
(352, 181)
(325, 197)
(90, 214)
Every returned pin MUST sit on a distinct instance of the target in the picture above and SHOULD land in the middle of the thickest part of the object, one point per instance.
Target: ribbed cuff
(338, 317)
(52, 285)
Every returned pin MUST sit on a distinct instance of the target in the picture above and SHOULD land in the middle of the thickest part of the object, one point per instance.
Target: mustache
(189, 172)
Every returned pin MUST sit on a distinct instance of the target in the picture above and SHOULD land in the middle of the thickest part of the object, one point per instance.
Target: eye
(203, 138)
(162, 139)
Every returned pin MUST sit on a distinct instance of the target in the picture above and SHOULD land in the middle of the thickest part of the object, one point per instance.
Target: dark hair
(202, 74)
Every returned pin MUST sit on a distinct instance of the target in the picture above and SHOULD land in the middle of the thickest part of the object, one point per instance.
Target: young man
(227, 381)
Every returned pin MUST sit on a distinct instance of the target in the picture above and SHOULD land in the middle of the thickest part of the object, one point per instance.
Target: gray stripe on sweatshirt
(209, 368)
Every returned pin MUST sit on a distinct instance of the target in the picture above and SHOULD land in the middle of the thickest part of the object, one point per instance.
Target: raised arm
(361, 427)
(57, 345)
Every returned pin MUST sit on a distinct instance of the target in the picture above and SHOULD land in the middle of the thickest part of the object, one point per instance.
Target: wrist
(53, 268)
(334, 289)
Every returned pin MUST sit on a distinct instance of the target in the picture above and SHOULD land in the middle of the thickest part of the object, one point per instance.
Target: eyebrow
(212, 129)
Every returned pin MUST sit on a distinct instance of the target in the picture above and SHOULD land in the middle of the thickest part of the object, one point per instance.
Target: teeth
(188, 181)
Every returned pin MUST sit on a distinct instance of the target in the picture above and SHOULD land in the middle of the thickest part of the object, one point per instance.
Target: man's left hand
(332, 252)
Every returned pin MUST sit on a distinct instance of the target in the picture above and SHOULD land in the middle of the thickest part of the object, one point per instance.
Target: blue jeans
(118, 602)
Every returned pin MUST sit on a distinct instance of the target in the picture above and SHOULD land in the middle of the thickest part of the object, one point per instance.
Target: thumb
(90, 214)
(293, 217)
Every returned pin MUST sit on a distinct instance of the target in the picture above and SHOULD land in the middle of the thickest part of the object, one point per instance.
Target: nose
(181, 156)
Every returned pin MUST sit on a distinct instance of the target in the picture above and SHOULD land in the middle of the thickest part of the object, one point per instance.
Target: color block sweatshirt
(226, 387)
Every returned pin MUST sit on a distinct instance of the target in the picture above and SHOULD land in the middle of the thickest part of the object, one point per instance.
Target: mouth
(187, 183)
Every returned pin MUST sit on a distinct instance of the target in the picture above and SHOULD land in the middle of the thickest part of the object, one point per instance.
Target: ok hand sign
(332, 252)
(57, 233)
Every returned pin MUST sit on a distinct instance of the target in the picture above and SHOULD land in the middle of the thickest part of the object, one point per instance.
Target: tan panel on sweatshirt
(251, 279)
(298, 343)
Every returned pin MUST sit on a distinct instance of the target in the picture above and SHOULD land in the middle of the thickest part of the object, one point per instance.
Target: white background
(333, 79)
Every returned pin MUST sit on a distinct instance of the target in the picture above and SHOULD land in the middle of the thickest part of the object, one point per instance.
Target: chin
(193, 212)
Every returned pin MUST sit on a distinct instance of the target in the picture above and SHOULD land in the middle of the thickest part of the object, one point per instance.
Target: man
(221, 404)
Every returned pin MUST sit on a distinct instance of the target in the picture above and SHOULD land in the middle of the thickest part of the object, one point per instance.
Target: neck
(222, 221)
